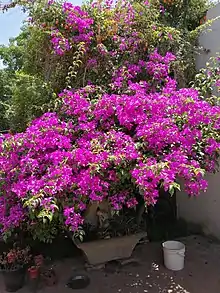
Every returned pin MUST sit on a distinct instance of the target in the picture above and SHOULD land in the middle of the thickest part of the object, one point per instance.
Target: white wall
(205, 209)
(210, 40)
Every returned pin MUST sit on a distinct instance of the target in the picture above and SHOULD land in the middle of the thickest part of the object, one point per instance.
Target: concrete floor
(200, 275)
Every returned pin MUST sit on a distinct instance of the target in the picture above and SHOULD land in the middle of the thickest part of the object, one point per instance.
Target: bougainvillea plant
(137, 134)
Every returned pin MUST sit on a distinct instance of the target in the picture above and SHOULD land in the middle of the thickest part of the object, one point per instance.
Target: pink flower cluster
(77, 28)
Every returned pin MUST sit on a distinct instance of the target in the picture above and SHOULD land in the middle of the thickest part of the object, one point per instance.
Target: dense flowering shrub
(144, 139)
(135, 133)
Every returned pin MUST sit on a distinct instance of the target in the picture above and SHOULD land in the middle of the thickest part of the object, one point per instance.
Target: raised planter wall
(103, 251)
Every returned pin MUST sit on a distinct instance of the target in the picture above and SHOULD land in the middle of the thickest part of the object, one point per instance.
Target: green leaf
(171, 190)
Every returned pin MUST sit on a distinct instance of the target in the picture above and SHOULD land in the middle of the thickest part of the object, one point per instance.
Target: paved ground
(200, 275)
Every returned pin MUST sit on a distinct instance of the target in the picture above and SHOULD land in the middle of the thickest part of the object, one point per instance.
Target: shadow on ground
(200, 275)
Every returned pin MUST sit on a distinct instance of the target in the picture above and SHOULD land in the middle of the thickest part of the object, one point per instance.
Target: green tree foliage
(35, 75)
(30, 98)
(24, 92)
(185, 14)
(5, 94)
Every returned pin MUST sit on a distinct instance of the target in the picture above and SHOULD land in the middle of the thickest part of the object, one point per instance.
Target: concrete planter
(102, 251)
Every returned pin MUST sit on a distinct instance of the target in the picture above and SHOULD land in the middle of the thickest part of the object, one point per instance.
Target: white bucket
(174, 254)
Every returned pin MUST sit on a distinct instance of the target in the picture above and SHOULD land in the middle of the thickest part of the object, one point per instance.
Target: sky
(11, 21)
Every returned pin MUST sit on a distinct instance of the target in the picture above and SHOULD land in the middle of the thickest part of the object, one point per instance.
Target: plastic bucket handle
(181, 254)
